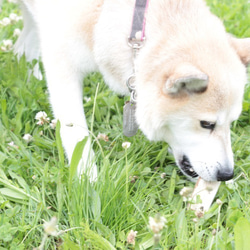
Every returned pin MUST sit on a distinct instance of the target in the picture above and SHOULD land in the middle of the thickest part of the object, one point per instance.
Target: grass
(36, 184)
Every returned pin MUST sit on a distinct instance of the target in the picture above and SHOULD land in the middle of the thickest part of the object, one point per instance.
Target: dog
(189, 80)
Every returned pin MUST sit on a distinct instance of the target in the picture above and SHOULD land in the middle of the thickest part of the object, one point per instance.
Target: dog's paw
(78, 148)
(87, 163)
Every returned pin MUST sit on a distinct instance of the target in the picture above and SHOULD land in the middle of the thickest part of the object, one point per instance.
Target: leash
(136, 42)
(139, 21)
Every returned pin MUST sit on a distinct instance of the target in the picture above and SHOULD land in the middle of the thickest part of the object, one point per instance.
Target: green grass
(36, 183)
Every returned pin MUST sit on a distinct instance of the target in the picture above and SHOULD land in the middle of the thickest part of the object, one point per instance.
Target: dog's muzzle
(225, 175)
(187, 168)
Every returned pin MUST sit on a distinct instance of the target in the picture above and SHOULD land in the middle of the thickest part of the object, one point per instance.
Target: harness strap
(138, 24)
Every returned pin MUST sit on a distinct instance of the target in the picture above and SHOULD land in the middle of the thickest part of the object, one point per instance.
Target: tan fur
(188, 71)
(91, 15)
(242, 47)
(206, 45)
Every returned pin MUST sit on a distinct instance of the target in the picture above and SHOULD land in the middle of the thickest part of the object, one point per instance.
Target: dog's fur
(189, 70)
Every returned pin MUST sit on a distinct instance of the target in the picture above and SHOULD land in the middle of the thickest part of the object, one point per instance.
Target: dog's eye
(207, 125)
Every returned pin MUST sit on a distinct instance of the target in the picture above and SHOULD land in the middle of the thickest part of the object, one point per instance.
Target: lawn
(44, 206)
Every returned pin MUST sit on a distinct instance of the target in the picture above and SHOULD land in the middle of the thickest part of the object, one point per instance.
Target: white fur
(66, 60)
(73, 43)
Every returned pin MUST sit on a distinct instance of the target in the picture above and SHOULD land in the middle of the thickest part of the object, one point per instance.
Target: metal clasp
(131, 83)
(136, 45)
(131, 87)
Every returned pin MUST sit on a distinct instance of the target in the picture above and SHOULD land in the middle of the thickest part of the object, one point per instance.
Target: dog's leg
(65, 89)
(66, 59)
(28, 41)
(66, 62)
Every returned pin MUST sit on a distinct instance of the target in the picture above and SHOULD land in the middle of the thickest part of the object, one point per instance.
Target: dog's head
(190, 99)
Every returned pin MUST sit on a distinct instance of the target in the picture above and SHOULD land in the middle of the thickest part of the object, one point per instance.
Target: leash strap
(135, 41)
(138, 25)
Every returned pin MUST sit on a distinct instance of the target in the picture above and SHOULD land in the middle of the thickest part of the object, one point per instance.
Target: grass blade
(242, 232)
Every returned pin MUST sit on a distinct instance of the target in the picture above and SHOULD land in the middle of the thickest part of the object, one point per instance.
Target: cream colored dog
(190, 73)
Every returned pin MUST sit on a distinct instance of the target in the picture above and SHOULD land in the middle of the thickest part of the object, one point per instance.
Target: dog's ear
(242, 47)
(186, 78)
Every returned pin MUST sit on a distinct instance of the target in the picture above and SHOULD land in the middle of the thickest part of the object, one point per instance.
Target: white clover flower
(7, 45)
(186, 193)
(3, 48)
(13, 145)
(27, 137)
(131, 237)
(40, 115)
(5, 21)
(53, 123)
(102, 137)
(51, 227)
(42, 118)
(163, 175)
(126, 144)
(87, 99)
(157, 224)
(199, 213)
(13, 17)
(219, 202)
(17, 32)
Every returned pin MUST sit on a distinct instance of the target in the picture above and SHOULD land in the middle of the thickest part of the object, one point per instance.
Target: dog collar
(135, 41)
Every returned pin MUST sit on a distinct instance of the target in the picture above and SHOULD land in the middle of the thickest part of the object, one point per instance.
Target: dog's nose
(225, 175)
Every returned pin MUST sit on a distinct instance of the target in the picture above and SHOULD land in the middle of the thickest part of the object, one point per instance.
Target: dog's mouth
(187, 168)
